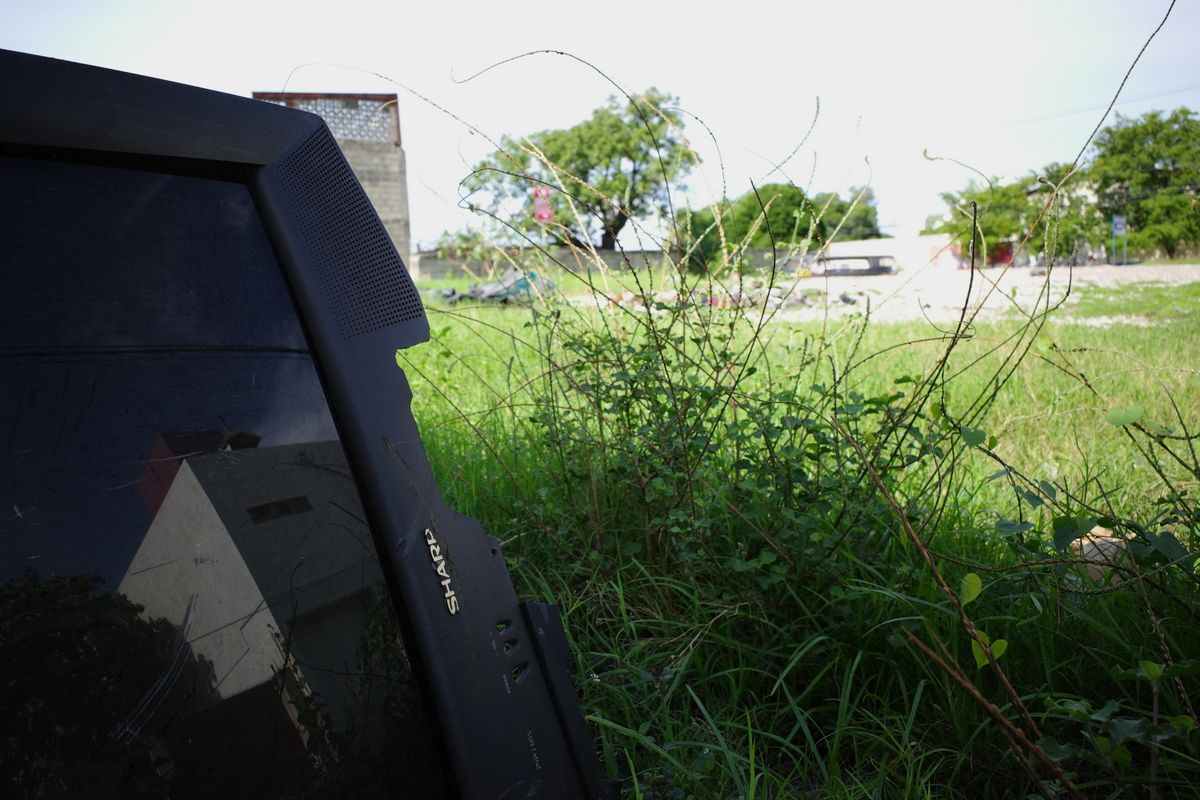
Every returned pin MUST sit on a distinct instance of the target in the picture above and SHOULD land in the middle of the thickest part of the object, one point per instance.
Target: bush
(792, 569)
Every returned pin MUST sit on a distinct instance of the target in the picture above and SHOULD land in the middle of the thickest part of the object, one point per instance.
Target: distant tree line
(1146, 169)
(582, 186)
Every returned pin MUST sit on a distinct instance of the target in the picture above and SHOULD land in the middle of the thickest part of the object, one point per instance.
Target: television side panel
(477, 650)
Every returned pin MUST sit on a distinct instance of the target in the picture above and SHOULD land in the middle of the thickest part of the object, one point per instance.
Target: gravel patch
(938, 294)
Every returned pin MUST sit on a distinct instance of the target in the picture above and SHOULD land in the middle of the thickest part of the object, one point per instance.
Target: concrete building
(261, 556)
(367, 127)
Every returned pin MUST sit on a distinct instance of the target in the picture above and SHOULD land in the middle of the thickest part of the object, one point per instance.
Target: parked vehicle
(836, 266)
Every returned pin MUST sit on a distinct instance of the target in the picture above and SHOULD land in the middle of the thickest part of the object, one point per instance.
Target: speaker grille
(362, 275)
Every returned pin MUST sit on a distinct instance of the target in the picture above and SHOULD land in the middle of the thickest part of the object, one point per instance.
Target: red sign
(541, 204)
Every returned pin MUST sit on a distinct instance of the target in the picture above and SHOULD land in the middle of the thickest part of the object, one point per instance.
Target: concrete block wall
(380, 168)
(367, 128)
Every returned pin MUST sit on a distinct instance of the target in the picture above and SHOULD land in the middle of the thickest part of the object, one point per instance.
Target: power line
(1191, 87)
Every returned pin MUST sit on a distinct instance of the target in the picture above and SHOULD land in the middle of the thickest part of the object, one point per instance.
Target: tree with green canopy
(1145, 169)
(1072, 221)
(852, 219)
(1148, 170)
(1051, 213)
(1002, 214)
(619, 165)
(776, 215)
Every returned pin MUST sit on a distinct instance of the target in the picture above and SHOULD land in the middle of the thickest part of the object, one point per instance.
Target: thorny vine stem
(968, 626)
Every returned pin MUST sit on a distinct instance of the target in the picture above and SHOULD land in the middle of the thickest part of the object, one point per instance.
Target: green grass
(1151, 301)
(739, 611)
(1156, 262)
(1045, 418)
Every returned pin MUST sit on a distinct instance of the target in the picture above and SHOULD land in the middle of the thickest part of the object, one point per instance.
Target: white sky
(1003, 86)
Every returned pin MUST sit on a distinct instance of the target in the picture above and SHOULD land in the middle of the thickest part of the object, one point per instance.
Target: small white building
(931, 251)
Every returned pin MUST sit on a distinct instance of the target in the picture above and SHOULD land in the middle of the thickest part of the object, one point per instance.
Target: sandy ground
(937, 294)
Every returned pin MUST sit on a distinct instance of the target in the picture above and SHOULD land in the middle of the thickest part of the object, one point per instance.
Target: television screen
(225, 568)
(192, 600)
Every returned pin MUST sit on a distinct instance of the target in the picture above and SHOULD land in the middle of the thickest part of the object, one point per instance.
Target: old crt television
(225, 568)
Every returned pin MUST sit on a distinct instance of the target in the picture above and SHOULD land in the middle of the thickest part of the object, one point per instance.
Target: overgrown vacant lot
(785, 550)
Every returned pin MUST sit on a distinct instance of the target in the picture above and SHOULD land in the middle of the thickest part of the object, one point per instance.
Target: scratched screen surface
(190, 601)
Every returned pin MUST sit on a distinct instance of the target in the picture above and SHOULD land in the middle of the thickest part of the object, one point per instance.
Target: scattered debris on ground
(748, 293)
(514, 286)
(931, 294)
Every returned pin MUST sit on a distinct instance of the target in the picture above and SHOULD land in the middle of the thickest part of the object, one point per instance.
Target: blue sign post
(1120, 228)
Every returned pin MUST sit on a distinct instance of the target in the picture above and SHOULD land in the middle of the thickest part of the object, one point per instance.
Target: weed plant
(807, 561)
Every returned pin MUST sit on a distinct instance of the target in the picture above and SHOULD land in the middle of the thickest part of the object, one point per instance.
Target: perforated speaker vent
(364, 278)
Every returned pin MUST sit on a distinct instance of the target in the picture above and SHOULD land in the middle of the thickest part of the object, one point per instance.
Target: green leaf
(1103, 714)
(1068, 529)
(1125, 729)
(1124, 416)
(1169, 546)
(1183, 721)
(1122, 674)
(977, 651)
(1029, 497)
(1011, 527)
(1118, 755)
(1151, 671)
(1054, 749)
(1078, 710)
(971, 587)
(972, 436)
(997, 647)
(1182, 669)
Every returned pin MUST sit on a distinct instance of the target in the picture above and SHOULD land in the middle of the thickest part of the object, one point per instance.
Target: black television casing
(496, 672)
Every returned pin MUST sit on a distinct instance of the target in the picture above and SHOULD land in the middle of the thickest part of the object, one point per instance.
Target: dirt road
(938, 293)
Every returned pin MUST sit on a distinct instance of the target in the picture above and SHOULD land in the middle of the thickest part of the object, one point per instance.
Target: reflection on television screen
(190, 600)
